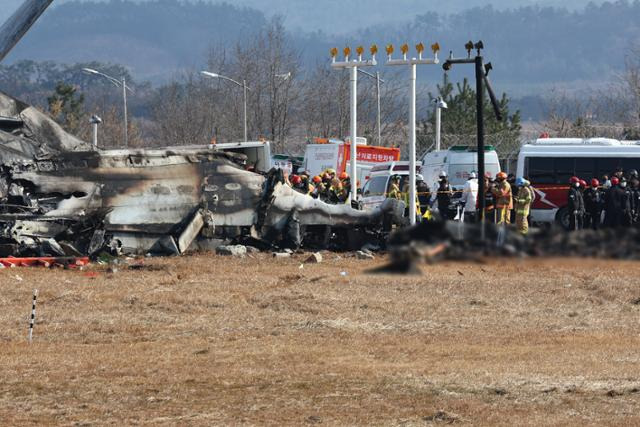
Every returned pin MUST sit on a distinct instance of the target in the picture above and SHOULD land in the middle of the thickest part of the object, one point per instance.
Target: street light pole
(244, 90)
(353, 65)
(118, 83)
(354, 131)
(126, 117)
(244, 87)
(439, 105)
(378, 81)
(413, 62)
(378, 98)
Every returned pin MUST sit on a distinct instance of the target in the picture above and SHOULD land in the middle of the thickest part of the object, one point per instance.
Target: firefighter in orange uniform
(504, 199)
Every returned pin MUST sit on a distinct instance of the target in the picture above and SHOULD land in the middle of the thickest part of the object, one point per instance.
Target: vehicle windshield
(376, 186)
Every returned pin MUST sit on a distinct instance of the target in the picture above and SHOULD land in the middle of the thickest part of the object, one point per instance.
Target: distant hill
(154, 40)
(346, 15)
(528, 46)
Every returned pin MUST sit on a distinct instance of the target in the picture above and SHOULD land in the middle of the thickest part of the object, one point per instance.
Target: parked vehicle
(376, 188)
(549, 163)
(458, 162)
(335, 154)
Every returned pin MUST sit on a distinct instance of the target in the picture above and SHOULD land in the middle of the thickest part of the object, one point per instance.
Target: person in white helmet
(470, 197)
(444, 194)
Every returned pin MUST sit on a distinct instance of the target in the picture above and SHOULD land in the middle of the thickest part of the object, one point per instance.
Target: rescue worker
(627, 212)
(336, 192)
(470, 198)
(394, 188)
(346, 182)
(330, 172)
(593, 204)
(320, 189)
(443, 196)
(575, 204)
(583, 186)
(523, 204)
(634, 188)
(511, 179)
(489, 199)
(305, 181)
(614, 204)
(504, 199)
(406, 193)
(424, 193)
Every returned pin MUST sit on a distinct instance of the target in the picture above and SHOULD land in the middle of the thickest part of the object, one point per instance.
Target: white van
(458, 162)
(377, 187)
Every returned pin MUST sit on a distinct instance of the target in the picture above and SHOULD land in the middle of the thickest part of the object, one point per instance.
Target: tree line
(290, 105)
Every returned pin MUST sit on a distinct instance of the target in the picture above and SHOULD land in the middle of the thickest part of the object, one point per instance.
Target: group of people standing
(328, 186)
(618, 198)
(505, 200)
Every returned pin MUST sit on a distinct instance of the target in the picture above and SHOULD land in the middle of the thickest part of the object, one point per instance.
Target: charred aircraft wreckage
(61, 196)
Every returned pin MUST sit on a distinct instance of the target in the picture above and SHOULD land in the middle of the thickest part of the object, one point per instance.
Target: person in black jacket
(627, 211)
(575, 204)
(634, 187)
(615, 201)
(444, 196)
(593, 204)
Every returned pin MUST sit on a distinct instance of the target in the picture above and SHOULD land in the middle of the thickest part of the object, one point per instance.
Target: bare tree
(270, 65)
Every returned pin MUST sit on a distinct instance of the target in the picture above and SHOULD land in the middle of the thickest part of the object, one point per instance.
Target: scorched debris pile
(432, 241)
(60, 197)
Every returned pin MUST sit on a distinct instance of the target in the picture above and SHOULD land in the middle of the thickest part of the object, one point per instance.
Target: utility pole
(353, 66)
(412, 63)
(482, 80)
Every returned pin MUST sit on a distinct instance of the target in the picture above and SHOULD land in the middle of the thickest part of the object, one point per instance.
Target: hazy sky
(340, 16)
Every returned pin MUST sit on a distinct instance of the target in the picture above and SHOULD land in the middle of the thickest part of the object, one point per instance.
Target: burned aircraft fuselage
(143, 197)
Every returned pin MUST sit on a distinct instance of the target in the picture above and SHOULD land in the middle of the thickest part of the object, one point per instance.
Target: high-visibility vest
(523, 201)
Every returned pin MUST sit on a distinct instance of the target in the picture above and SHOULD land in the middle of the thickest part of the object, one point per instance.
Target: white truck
(335, 154)
(458, 162)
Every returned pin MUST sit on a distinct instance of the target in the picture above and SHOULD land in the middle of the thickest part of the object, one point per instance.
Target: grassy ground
(206, 340)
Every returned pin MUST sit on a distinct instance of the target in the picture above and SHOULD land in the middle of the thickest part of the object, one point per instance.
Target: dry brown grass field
(210, 340)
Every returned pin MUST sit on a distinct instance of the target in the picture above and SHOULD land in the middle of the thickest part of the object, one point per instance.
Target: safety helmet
(615, 180)
(344, 175)
(443, 174)
(419, 177)
(574, 180)
(317, 179)
(331, 171)
(501, 175)
(633, 173)
(583, 183)
(473, 175)
(487, 175)
(520, 181)
(295, 179)
(595, 183)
